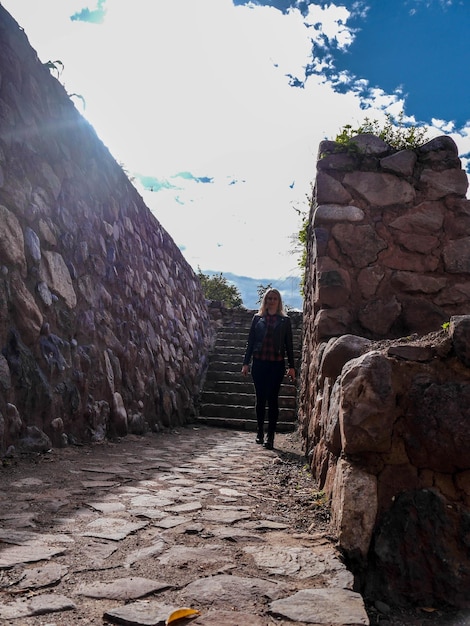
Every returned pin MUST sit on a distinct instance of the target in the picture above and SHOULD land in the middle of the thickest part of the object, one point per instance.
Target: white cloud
(203, 87)
(330, 22)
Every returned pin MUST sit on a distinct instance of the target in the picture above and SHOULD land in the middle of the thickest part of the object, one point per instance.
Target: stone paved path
(127, 533)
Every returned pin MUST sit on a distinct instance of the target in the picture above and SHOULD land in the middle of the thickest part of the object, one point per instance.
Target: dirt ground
(290, 494)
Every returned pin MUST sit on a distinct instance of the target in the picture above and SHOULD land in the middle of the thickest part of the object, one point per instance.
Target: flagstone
(207, 486)
(329, 606)
(107, 507)
(225, 507)
(140, 614)
(27, 554)
(225, 516)
(145, 485)
(182, 482)
(193, 529)
(37, 577)
(36, 605)
(112, 528)
(97, 553)
(186, 507)
(144, 553)
(172, 521)
(150, 512)
(20, 520)
(179, 555)
(147, 500)
(224, 588)
(287, 561)
(19, 537)
(98, 484)
(230, 492)
(230, 618)
(235, 534)
(122, 588)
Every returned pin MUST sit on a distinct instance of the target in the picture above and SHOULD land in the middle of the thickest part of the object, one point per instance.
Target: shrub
(217, 287)
(394, 132)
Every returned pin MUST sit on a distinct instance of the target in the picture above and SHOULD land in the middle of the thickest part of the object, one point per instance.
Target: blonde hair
(264, 305)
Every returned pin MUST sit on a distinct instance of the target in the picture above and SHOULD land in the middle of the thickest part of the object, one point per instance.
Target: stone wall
(384, 394)
(104, 329)
(391, 232)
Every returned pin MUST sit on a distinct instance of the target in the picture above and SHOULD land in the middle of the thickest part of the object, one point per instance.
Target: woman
(269, 340)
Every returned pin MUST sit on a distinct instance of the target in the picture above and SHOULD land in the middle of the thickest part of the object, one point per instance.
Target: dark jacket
(282, 337)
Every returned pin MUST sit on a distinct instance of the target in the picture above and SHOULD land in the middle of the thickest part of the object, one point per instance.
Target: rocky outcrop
(389, 440)
(104, 329)
(385, 383)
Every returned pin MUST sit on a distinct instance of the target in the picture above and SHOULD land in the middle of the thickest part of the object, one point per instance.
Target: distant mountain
(248, 288)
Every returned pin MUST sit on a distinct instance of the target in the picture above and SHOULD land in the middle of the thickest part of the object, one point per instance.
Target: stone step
(232, 334)
(226, 380)
(237, 351)
(227, 337)
(240, 399)
(231, 341)
(227, 365)
(232, 352)
(244, 385)
(228, 398)
(240, 326)
(228, 375)
(234, 375)
(241, 412)
(218, 364)
(243, 424)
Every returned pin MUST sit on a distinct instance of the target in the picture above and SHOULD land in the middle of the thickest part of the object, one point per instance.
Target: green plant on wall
(302, 238)
(57, 67)
(394, 132)
(299, 241)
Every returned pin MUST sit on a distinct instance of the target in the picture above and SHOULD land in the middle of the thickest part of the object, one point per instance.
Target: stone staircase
(228, 398)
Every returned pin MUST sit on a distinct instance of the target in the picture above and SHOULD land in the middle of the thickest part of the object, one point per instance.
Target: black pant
(267, 377)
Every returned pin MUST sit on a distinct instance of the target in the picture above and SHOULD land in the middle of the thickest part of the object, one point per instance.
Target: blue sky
(217, 107)
(419, 49)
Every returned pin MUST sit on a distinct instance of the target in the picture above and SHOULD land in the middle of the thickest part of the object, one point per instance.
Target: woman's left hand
(291, 373)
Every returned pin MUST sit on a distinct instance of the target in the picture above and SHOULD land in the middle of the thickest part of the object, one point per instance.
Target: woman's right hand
(245, 370)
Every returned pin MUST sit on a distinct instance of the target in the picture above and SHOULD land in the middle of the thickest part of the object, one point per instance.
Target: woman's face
(272, 302)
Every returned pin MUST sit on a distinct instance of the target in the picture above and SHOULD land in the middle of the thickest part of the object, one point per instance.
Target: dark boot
(269, 443)
(260, 425)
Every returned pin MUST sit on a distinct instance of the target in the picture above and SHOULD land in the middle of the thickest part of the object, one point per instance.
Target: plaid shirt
(267, 352)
